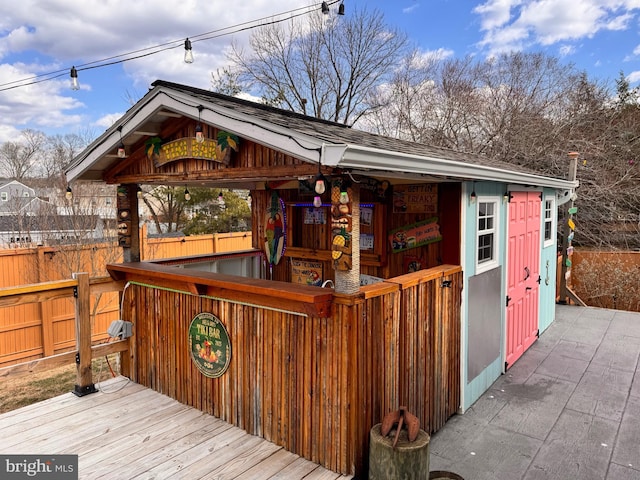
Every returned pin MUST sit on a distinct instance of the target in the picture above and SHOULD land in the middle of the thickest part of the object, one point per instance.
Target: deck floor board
(134, 432)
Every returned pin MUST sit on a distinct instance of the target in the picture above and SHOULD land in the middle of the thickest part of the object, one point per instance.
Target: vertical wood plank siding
(313, 385)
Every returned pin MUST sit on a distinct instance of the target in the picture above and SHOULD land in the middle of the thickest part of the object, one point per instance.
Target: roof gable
(306, 138)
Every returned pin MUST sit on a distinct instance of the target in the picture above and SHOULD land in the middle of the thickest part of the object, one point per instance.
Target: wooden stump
(407, 461)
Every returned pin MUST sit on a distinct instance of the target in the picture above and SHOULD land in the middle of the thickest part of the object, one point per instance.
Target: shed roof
(307, 138)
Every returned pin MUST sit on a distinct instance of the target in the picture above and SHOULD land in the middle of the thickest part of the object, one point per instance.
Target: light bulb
(317, 201)
(344, 197)
(188, 51)
(121, 151)
(320, 186)
(75, 85)
(187, 195)
(199, 134)
(139, 192)
(68, 194)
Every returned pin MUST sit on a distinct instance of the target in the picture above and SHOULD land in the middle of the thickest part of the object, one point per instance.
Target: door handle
(528, 288)
(528, 274)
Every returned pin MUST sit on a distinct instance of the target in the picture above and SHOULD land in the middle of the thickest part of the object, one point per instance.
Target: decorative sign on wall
(306, 272)
(415, 235)
(315, 216)
(215, 150)
(209, 345)
(419, 198)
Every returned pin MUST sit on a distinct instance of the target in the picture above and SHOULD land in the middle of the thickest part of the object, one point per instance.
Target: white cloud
(513, 25)
(495, 13)
(41, 36)
(634, 77)
(411, 9)
(566, 50)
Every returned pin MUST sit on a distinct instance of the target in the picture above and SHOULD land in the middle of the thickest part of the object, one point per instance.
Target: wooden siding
(313, 385)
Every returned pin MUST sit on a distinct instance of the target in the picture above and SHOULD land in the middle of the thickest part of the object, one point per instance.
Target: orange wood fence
(34, 330)
(312, 384)
(80, 289)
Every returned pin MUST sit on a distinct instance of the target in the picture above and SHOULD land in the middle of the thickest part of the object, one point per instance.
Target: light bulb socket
(341, 9)
(325, 8)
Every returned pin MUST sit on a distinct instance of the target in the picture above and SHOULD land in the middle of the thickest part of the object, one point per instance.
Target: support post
(84, 377)
(564, 291)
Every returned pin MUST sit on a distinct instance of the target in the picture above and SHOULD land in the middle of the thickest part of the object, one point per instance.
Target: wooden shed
(351, 302)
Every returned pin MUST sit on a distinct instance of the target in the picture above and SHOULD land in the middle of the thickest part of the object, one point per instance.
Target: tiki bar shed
(383, 272)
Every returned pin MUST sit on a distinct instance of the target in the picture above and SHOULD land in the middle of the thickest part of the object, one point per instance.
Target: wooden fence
(30, 331)
(79, 289)
(607, 279)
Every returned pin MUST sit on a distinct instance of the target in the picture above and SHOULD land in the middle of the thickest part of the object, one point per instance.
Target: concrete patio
(568, 409)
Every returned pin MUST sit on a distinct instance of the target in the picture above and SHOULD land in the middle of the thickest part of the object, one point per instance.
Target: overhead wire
(154, 49)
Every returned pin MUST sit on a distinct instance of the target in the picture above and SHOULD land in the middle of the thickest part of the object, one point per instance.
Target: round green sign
(209, 345)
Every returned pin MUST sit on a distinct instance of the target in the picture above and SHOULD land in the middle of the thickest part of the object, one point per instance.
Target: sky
(41, 37)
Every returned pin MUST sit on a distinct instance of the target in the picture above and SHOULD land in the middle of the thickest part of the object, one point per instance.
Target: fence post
(84, 377)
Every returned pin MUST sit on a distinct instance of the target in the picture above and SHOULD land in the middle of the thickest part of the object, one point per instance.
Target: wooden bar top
(303, 299)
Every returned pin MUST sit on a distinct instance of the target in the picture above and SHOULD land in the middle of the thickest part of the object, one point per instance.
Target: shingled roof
(307, 138)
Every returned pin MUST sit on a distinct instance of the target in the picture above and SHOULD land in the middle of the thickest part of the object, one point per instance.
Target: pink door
(523, 273)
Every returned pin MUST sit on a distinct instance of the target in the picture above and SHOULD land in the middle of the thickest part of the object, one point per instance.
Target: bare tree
(167, 208)
(17, 159)
(58, 151)
(325, 68)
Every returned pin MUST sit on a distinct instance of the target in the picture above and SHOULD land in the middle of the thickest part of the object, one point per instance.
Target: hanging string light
(139, 192)
(341, 9)
(156, 49)
(75, 85)
(187, 195)
(199, 132)
(188, 51)
(121, 151)
(69, 193)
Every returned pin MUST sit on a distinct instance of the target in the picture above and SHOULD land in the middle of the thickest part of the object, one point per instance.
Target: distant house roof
(48, 223)
(306, 138)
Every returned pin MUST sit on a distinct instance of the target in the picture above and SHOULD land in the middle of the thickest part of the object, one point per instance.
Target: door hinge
(508, 300)
(506, 365)
(75, 292)
(540, 196)
(539, 279)
(538, 333)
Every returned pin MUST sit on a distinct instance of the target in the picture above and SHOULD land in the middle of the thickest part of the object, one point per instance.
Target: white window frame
(551, 219)
(486, 265)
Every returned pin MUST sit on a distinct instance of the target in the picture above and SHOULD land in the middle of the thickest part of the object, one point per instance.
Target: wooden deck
(127, 431)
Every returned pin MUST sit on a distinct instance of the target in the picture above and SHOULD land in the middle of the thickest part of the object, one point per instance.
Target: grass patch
(27, 389)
